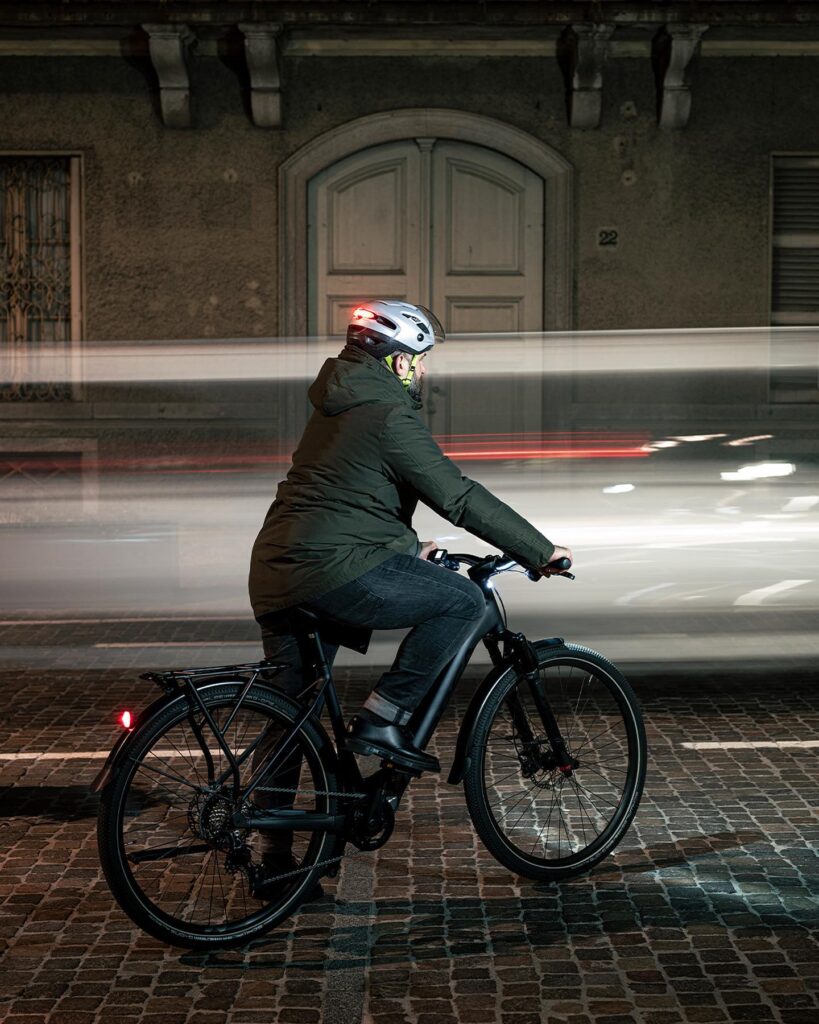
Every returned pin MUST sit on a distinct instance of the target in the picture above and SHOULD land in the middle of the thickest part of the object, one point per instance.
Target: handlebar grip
(560, 565)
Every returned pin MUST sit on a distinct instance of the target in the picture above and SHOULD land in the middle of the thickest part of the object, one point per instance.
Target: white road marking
(630, 597)
(146, 618)
(98, 755)
(753, 745)
(77, 755)
(185, 643)
(756, 597)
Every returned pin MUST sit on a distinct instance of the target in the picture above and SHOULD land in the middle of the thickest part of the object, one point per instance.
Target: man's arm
(412, 456)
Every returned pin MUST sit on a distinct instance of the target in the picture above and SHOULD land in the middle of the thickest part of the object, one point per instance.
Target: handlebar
(489, 565)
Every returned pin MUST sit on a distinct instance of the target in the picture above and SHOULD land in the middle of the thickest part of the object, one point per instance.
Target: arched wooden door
(455, 226)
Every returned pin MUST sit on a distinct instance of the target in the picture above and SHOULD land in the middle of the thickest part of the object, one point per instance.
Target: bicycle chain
(321, 863)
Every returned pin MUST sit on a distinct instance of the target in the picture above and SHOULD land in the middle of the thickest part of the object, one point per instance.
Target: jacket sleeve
(412, 457)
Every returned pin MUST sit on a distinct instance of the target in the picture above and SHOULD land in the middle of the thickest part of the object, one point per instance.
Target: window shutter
(795, 274)
(795, 291)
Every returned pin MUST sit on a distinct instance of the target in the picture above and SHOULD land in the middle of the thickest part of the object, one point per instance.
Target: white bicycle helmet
(383, 327)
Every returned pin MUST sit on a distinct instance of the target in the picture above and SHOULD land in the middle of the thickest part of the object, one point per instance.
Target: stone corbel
(587, 47)
(169, 47)
(262, 55)
(673, 49)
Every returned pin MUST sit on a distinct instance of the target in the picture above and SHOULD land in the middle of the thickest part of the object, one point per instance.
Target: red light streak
(461, 447)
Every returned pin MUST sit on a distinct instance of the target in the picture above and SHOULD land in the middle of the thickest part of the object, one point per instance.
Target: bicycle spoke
(169, 775)
(175, 830)
(547, 816)
(164, 852)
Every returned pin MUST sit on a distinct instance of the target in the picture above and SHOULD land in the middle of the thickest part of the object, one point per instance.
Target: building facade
(247, 170)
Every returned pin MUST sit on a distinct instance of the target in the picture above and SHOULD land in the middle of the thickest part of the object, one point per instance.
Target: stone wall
(180, 226)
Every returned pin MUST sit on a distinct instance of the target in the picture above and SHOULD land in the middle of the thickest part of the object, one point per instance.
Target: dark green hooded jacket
(364, 461)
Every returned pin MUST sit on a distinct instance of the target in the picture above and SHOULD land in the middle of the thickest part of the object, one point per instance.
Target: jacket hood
(356, 378)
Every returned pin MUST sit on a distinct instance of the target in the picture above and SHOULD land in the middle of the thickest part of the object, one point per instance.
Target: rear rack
(169, 681)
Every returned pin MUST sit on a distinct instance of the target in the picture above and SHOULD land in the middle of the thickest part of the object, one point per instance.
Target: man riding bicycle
(338, 539)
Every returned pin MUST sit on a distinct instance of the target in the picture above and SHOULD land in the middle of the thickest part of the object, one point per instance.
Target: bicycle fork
(527, 662)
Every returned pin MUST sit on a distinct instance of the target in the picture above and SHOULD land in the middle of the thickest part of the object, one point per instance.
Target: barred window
(39, 269)
(795, 276)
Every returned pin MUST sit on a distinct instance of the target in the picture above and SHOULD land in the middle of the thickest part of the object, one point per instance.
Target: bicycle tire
(117, 863)
(480, 784)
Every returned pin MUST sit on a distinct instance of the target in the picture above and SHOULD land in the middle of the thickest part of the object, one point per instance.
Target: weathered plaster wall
(181, 226)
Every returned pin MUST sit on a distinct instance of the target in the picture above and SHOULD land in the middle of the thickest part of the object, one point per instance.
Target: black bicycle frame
(422, 724)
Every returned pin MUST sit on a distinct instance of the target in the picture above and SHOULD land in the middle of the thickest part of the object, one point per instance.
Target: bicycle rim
(173, 862)
(546, 817)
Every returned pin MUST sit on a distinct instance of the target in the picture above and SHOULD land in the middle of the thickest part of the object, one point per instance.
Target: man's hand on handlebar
(554, 565)
(427, 547)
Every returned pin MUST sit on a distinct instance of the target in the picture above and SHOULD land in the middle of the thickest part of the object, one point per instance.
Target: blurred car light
(761, 471)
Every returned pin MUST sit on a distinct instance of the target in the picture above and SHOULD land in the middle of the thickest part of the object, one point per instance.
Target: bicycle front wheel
(537, 818)
(168, 846)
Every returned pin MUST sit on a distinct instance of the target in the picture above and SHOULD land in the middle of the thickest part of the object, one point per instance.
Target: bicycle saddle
(302, 621)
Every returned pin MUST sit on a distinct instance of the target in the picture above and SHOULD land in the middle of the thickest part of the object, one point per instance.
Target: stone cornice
(345, 42)
(404, 12)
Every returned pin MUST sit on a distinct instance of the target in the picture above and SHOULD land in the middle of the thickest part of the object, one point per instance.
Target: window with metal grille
(39, 272)
(795, 277)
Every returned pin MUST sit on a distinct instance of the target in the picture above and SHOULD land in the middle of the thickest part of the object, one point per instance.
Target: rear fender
(121, 748)
(463, 747)
(119, 751)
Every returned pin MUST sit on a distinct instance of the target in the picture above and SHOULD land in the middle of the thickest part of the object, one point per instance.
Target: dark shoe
(389, 741)
(267, 884)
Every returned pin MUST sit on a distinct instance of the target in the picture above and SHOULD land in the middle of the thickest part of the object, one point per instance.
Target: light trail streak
(465, 447)
(476, 355)
(756, 597)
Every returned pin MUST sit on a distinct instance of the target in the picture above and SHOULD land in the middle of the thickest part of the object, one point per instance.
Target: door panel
(452, 225)
(364, 234)
(487, 277)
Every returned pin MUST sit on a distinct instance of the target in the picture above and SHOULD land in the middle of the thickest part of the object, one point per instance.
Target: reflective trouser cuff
(386, 709)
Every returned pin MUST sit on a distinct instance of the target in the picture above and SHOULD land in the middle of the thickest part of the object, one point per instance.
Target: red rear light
(363, 314)
(125, 719)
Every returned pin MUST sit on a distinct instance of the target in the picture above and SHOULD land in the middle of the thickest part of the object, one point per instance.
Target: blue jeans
(441, 606)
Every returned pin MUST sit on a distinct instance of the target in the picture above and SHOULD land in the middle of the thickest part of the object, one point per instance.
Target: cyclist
(338, 538)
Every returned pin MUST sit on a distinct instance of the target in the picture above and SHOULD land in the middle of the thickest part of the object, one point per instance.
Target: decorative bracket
(169, 47)
(262, 55)
(587, 51)
(673, 49)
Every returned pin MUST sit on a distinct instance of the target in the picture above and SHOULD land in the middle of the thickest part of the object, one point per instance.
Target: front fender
(463, 746)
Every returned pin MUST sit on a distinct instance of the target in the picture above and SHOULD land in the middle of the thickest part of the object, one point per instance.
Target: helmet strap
(406, 381)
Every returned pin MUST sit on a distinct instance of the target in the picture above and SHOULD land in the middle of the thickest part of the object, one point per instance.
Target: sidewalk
(706, 913)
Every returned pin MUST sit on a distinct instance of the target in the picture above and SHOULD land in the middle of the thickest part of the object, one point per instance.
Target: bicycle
(551, 753)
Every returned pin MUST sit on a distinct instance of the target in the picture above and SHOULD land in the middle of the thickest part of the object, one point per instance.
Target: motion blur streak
(610, 352)
(650, 454)
(484, 448)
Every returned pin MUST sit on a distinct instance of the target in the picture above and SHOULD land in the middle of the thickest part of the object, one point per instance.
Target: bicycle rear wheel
(538, 820)
(170, 853)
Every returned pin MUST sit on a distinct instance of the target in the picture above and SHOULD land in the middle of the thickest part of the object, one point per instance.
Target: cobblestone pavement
(707, 912)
